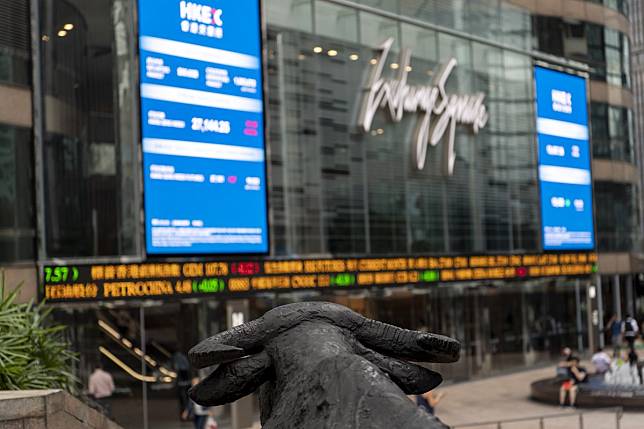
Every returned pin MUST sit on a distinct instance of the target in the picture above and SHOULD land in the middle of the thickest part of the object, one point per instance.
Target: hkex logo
(201, 19)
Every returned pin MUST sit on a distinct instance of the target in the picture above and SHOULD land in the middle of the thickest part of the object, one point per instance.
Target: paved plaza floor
(507, 397)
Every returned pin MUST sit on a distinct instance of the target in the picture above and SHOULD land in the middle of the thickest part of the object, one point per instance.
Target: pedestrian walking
(200, 415)
(181, 366)
(614, 326)
(428, 401)
(101, 387)
(630, 330)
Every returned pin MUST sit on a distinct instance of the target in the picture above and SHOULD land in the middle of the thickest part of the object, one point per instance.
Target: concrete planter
(48, 409)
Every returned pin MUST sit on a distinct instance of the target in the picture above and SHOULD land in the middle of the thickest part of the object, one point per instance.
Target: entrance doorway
(145, 350)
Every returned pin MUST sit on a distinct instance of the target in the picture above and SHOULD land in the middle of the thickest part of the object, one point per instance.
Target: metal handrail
(619, 411)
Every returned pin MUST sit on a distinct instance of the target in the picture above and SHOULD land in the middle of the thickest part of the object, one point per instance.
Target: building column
(591, 315)
(242, 413)
(580, 337)
(630, 300)
(600, 311)
(617, 297)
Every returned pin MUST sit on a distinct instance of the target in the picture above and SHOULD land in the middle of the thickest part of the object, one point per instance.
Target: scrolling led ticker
(168, 280)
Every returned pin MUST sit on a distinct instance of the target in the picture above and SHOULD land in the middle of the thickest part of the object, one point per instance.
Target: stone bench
(593, 394)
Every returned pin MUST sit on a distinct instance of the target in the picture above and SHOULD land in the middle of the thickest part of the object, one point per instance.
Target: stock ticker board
(202, 107)
(168, 280)
(565, 179)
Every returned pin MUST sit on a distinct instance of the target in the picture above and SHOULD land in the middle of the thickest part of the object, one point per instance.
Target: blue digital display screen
(202, 127)
(564, 161)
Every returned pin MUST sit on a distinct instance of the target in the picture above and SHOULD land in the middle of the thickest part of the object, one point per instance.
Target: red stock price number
(245, 268)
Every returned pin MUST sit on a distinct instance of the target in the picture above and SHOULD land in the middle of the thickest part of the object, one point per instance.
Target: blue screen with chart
(202, 126)
(564, 161)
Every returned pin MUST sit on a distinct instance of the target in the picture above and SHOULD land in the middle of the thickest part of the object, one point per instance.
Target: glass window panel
(613, 66)
(611, 37)
(483, 18)
(612, 132)
(336, 21)
(626, 64)
(289, 13)
(516, 26)
(600, 130)
(15, 67)
(422, 42)
(610, 3)
(389, 5)
(17, 214)
(375, 29)
(453, 47)
(616, 211)
(15, 40)
(448, 13)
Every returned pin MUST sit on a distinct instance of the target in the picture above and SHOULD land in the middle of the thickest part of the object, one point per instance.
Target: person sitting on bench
(576, 375)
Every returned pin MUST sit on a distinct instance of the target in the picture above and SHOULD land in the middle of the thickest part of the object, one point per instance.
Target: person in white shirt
(601, 361)
(101, 387)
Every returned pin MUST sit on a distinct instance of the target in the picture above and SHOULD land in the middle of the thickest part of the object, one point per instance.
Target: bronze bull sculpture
(321, 365)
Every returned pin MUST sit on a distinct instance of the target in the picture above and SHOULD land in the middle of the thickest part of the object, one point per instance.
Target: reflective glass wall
(17, 203)
(604, 49)
(333, 189)
(90, 173)
(337, 190)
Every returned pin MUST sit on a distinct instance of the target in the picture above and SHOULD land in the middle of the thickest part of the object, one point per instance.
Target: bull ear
(233, 380)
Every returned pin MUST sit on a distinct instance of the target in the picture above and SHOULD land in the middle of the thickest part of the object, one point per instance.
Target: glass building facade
(70, 171)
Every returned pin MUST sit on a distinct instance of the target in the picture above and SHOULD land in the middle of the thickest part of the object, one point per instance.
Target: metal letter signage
(397, 97)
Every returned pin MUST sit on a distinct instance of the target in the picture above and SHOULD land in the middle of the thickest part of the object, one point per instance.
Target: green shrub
(33, 353)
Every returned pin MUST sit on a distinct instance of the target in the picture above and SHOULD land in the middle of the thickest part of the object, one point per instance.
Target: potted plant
(33, 351)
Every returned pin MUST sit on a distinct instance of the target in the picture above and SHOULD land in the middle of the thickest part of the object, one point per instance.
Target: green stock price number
(344, 279)
(210, 285)
(60, 274)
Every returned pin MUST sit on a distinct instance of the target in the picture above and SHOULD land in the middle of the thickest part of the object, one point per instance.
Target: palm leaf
(33, 352)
